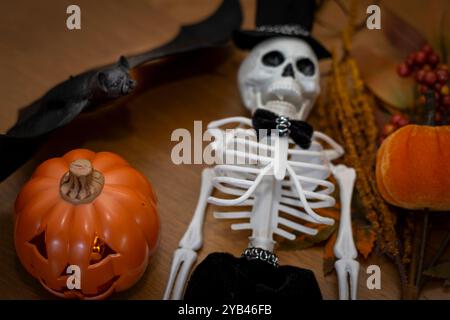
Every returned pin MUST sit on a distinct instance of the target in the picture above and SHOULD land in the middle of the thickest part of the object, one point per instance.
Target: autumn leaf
(402, 35)
(432, 23)
(365, 238)
(379, 53)
(390, 88)
(441, 271)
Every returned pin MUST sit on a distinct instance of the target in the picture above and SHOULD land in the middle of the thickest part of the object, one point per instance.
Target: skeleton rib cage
(303, 189)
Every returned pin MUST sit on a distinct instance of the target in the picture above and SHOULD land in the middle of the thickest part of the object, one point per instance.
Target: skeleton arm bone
(344, 249)
(185, 256)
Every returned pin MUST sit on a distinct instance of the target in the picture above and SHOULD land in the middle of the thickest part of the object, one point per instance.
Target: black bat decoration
(67, 100)
(64, 102)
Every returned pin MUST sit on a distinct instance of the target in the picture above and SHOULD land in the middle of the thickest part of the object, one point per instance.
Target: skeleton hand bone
(185, 256)
(347, 268)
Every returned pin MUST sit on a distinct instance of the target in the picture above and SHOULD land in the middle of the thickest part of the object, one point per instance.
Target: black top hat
(275, 18)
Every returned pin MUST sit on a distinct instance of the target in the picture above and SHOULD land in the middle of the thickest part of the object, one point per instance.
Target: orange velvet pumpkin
(91, 210)
(413, 168)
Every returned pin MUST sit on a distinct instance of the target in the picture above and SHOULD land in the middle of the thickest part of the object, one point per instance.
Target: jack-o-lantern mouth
(99, 252)
(103, 291)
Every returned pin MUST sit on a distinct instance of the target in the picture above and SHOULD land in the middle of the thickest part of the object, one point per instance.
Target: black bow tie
(300, 131)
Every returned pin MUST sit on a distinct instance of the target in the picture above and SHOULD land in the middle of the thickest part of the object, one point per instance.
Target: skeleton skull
(281, 75)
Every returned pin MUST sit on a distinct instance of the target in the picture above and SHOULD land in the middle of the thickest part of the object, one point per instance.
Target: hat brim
(247, 39)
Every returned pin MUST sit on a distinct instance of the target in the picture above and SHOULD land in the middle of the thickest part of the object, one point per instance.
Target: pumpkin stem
(81, 184)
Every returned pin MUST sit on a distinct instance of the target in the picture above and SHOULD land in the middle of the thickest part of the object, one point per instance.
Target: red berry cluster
(430, 75)
(397, 121)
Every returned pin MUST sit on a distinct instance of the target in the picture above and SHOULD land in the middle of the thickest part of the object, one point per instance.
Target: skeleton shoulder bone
(280, 75)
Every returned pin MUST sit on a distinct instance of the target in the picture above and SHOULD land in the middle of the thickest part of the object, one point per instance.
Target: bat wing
(215, 30)
(55, 109)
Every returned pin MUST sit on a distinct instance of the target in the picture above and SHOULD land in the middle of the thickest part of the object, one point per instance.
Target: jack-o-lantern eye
(39, 242)
(100, 250)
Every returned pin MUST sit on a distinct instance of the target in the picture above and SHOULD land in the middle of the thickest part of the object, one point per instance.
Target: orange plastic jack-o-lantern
(89, 210)
(413, 168)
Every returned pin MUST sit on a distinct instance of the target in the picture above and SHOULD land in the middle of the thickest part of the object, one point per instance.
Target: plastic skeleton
(280, 75)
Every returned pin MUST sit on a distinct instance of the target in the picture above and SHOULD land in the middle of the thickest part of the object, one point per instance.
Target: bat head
(115, 81)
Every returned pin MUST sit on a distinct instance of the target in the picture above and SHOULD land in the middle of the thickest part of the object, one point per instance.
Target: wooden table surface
(37, 52)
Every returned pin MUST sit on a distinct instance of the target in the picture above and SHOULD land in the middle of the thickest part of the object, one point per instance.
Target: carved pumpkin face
(413, 168)
(90, 210)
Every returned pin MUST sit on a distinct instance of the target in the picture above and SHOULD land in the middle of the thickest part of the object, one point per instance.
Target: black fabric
(300, 131)
(246, 40)
(281, 12)
(223, 277)
(269, 12)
